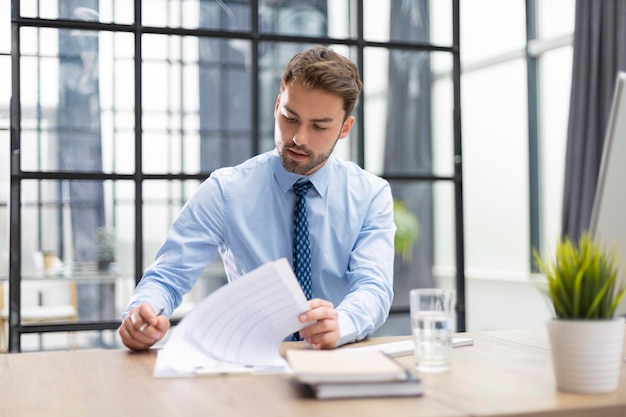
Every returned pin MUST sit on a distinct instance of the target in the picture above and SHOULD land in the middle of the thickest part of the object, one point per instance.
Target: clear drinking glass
(433, 322)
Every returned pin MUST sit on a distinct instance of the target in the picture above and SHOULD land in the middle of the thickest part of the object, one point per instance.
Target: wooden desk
(506, 373)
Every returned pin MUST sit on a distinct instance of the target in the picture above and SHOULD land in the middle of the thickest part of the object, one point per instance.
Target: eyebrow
(322, 120)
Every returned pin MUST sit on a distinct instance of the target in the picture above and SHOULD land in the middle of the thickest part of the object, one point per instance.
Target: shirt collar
(287, 179)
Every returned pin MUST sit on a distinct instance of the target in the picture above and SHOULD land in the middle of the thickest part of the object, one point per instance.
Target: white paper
(407, 347)
(239, 327)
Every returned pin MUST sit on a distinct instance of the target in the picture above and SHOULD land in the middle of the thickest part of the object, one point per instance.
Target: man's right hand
(130, 331)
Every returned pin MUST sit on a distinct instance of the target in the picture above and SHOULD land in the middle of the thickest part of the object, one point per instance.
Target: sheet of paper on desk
(407, 347)
(237, 328)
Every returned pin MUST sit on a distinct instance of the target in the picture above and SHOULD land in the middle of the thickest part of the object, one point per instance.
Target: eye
(320, 128)
(289, 119)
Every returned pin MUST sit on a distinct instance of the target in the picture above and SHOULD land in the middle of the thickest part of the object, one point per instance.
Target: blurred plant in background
(407, 233)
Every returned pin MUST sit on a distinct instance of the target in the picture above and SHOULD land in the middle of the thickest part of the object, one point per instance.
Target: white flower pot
(587, 354)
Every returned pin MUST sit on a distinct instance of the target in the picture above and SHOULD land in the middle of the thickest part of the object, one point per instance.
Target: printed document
(239, 327)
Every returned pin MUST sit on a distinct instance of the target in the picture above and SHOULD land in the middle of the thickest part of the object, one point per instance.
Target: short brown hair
(321, 67)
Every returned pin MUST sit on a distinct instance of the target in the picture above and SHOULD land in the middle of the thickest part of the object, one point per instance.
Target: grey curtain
(599, 53)
(79, 130)
(80, 147)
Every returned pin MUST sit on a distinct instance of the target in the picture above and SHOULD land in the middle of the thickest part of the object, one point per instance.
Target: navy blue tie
(301, 242)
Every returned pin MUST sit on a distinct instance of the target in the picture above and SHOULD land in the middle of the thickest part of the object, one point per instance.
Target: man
(246, 213)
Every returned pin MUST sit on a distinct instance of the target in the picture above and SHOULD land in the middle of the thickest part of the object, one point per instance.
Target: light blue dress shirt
(246, 214)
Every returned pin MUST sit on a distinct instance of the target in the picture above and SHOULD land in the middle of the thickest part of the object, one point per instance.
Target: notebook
(352, 373)
(344, 365)
(410, 387)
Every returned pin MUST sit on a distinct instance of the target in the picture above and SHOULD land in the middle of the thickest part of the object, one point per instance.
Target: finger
(323, 333)
(138, 322)
(136, 317)
(158, 330)
(133, 317)
(161, 325)
(128, 339)
(145, 338)
(319, 313)
(315, 331)
(148, 315)
(319, 310)
(142, 323)
(143, 316)
(324, 340)
(318, 302)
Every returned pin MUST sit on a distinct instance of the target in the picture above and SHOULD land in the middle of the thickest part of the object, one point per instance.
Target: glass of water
(433, 322)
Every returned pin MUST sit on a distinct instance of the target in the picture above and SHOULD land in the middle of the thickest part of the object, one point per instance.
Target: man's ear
(346, 127)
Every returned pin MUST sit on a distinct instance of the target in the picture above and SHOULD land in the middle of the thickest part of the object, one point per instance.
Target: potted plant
(586, 339)
(105, 247)
(407, 231)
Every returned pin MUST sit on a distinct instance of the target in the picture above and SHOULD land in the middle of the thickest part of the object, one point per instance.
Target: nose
(300, 137)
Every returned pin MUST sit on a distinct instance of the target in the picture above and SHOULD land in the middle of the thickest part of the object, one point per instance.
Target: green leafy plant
(407, 231)
(582, 280)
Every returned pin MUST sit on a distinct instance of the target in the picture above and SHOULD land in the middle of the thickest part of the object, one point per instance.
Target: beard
(303, 167)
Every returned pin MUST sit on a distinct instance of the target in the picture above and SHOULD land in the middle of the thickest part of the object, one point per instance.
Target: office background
(206, 84)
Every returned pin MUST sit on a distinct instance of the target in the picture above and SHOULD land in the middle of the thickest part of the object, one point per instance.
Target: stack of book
(348, 373)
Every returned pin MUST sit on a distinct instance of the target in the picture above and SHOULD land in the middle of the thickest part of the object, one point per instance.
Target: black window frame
(255, 36)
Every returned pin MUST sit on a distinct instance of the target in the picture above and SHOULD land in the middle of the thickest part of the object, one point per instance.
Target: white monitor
(608, 218)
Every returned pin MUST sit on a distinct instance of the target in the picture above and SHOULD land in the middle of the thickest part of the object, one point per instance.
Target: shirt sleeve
(191, 245)
(366, 306)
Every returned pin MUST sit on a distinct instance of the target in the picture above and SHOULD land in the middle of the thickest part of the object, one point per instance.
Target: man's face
(308, 124)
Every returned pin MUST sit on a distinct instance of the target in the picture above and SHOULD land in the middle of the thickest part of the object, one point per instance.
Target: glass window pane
(491, 28)
(225, 15)
(70, 93)
(378, 11)
(4, 201)
(341, 19)
(555, 17)
(64, 217)
(304, 17)
(442, 107)
(555, 81)
(206, 83)
(440, 21)
(5, 95)
(408, 21)
(495, 167)
(109, 11)
(5, 29)
(402, 99)
(77, 242)
(423, 211)
(119, 197)
(162, 201)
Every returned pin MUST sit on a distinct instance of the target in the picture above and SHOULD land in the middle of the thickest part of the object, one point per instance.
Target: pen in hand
(146, 324)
